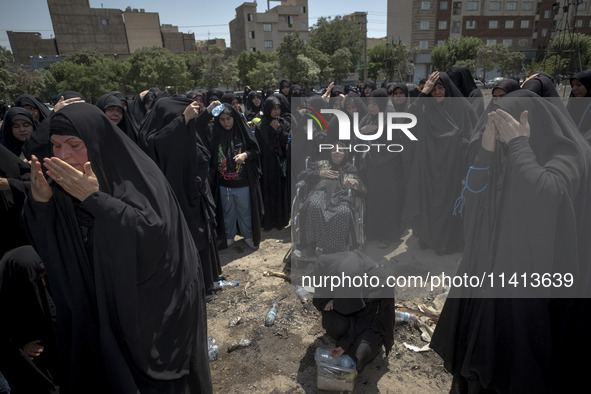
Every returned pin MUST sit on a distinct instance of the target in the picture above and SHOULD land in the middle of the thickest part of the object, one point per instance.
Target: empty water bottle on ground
(302, 293)
(401, 316)
(212, 348)
(270, 319)
(323, 355)
(239, 345)
(218, 110)
(220, 284)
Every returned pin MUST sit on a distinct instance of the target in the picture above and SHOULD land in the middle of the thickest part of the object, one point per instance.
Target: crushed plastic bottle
(239, 345)
(270, 319)
(218, 110)
(220, 284)
(401, 316)
(212, 348)
(323, 355)
(302, 293)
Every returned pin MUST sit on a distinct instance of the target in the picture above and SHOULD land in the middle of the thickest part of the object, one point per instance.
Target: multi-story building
(27, 45)
(522, 25)
(263, 31)
(142, 28)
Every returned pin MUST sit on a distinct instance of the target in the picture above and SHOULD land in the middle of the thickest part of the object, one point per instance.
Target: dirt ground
(280, 358)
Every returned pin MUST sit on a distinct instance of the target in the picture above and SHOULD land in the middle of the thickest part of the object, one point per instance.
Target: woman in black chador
(527, 212)
(579, 102)
(18, 125)
(122, 266)
(115, 110)
(272, 134)
(169, 137)
(437, 164)
(328, 211)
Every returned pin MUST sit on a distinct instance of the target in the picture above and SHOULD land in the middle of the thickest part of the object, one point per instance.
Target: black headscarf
(578, 107)
(542, 85)
(135, 319)
(404, 106)
(250, 111)
(7, 137)
(462, 78)
(137, 106)
(125, 124)
(27, 99)
(508, 85)
(213, 94)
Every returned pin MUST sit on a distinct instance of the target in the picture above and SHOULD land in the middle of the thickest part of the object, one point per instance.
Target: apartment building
(27, 45)
(263, 31)
(522, 25)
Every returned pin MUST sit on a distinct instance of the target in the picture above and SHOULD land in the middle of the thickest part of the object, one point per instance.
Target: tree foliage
(157, 67)
(454, 51)
(330, 35)
(574, 48)
(389, 62)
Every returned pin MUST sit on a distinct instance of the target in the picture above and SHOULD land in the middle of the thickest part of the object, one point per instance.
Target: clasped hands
(79, 184)
(504, 127)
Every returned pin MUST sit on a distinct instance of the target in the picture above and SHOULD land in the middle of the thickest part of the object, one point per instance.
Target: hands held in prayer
(191, 111)
(489, 137)
(40, 190)
(63, 102)
(77, 183)
(326, 95)
(337, 352)
(431, 81)
(328, 173)
(33, 349)
(508, 127)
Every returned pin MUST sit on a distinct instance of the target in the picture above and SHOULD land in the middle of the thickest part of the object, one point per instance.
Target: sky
(207, 20)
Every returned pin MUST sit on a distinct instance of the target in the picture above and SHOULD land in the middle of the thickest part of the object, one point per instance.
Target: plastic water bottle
(344, 360)
(218, 110)
(270, 319)
(302, 293)
(220, 284)
(212, 348)
(401, 316)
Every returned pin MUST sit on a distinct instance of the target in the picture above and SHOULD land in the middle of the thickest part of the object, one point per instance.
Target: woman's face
(372, 106)
(351, 107)
(438, 92)
(21, 129)
(337, 157)
(226, 121)
(33, 110)
(578, 89)
(236, 104)
(285, 90)
(398, 96)
(70, 149)
(114, 113)
(276, 111)
(367, 90)
(256, 100)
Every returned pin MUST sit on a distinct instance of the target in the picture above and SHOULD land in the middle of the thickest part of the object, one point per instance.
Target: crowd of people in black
(115, 213)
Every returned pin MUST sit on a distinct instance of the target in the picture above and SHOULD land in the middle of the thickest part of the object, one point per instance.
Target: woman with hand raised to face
(122, 265)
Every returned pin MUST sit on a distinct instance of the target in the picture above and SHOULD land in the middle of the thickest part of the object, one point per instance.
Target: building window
(522, 42)
(443, 5)
(424, 26)
(424, 44)
(425, 5)
(253, 49)
(527, 5)
(440, 43)
(250, 17)
(544, 32)
(251, 34)
(546, 14)
(511, 6)
(524, 24)
(303, 10)
(267, 27)
(508, 42)
(442, 25)
(491, 42)
(457, 8)
(472, 6)
(495, 5)
(579, 23)
(455, 27)
(105, 22)
(493, 24)
(470, 24)
(289, 20)
(582, 7)
(268, 43)
(509, 24)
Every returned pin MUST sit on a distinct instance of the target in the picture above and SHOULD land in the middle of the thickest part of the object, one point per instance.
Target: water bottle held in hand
(218, 110)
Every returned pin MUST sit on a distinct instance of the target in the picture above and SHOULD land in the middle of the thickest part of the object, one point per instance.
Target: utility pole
(365, 49)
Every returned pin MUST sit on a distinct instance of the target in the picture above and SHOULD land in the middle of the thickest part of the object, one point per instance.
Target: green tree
(511, 64)
(388, 62)
(489, 57)
(6, 60)
(84, 57)
(290, 66)
(342, 61)
(454, 51)
(322, 61)
(214, 68)
(552, 65)
(264, 75)
(330, 35)
(158, 67)
(576, 48)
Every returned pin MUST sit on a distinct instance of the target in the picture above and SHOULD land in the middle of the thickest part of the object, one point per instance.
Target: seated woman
(122, 267)
(327, 212)
(360, 320)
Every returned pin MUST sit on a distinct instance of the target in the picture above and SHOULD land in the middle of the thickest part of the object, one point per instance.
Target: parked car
(491, 83)
(479, 84)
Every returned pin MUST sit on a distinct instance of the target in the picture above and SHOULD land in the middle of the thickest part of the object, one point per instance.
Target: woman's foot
(250, 243)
